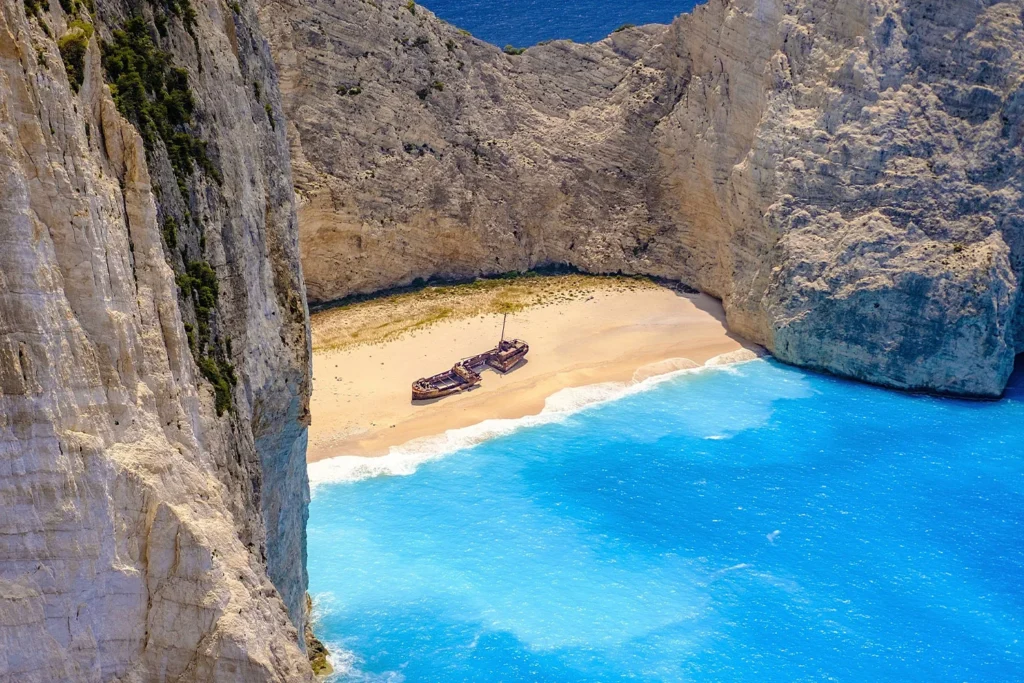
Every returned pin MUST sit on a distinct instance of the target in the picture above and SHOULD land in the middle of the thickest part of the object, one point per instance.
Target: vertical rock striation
(846, 177)
(153, 518)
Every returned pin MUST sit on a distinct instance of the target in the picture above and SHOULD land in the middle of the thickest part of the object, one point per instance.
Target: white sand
(361, 397)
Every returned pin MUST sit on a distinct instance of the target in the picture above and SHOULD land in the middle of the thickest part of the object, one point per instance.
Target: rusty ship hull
(465, 374)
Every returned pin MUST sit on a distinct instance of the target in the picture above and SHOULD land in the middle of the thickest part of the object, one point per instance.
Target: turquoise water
(526, 22)
(750, 523)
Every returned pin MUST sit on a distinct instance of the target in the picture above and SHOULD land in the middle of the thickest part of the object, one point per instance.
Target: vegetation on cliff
(154, 94)
(73, 46)
(199, 286)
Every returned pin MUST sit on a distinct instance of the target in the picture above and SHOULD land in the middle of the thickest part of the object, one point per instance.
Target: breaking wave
(405, 459)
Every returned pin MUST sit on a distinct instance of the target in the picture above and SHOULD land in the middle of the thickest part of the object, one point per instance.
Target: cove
(749, 522)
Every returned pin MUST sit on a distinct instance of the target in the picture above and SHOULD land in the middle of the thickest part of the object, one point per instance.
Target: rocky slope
(846, 177)
(154, 362)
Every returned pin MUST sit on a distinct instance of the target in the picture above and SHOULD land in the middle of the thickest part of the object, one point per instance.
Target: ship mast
(503, 328)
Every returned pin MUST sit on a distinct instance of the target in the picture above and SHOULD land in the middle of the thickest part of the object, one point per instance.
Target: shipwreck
(466, 373)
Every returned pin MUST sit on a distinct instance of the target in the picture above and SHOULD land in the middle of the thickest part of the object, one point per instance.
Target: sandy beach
(580, 330)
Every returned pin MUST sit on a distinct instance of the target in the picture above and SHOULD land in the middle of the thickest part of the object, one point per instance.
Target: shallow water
(526, 22)
(752, 522)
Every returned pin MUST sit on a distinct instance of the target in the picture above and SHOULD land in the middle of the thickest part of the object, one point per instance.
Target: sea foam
(405, 459)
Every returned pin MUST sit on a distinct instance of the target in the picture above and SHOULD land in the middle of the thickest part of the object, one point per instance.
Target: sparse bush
(170, 231)
(73, 45)
(199, 281)
(180, 8)
(624, 27)
(411, 6)
(512, 50)
(221, 375)
(199, 285)
(34, 8)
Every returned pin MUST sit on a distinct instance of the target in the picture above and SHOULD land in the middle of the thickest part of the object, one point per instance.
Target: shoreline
(405, 459)
(608, 333)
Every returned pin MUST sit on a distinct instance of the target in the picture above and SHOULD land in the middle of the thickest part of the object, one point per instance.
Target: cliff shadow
(712, 306)
(1015, 385)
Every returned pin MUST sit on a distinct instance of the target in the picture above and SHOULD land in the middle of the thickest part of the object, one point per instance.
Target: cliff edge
(154, 360)
(846, 177)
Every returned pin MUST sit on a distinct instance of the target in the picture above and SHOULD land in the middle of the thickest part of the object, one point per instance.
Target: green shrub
(438, 86)
(270, 115)
(156, 97)
(34, 8)
(512, 50)
(235, 7)
(221, 375)
(73, 46)
(199, 285)
(170, 231)
(411, 6)
(624, 27)
(180, 8)
(190, 334)
(200, 282)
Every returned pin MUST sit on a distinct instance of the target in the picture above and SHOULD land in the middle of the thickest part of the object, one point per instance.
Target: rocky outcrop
(154, 361)
(846, 177)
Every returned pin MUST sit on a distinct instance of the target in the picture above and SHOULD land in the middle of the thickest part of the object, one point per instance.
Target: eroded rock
(846, 177)
(146, 537)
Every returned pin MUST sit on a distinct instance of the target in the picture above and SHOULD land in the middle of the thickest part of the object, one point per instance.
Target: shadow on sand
(713, 307)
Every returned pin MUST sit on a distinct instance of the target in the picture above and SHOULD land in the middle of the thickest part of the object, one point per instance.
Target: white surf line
(403, 460)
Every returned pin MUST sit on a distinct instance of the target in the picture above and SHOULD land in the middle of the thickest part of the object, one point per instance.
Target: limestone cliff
(846, 176)
(154, 362)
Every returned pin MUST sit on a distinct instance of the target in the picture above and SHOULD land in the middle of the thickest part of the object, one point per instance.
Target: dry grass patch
(386, 318)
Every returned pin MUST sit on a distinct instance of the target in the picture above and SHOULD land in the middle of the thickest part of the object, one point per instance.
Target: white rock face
(142, 537)
(846, 176)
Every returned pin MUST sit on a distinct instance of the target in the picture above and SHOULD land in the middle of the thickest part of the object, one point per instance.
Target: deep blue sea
(746, 523)
(527, 22)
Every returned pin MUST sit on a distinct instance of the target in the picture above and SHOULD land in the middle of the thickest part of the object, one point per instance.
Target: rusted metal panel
(466, 373)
